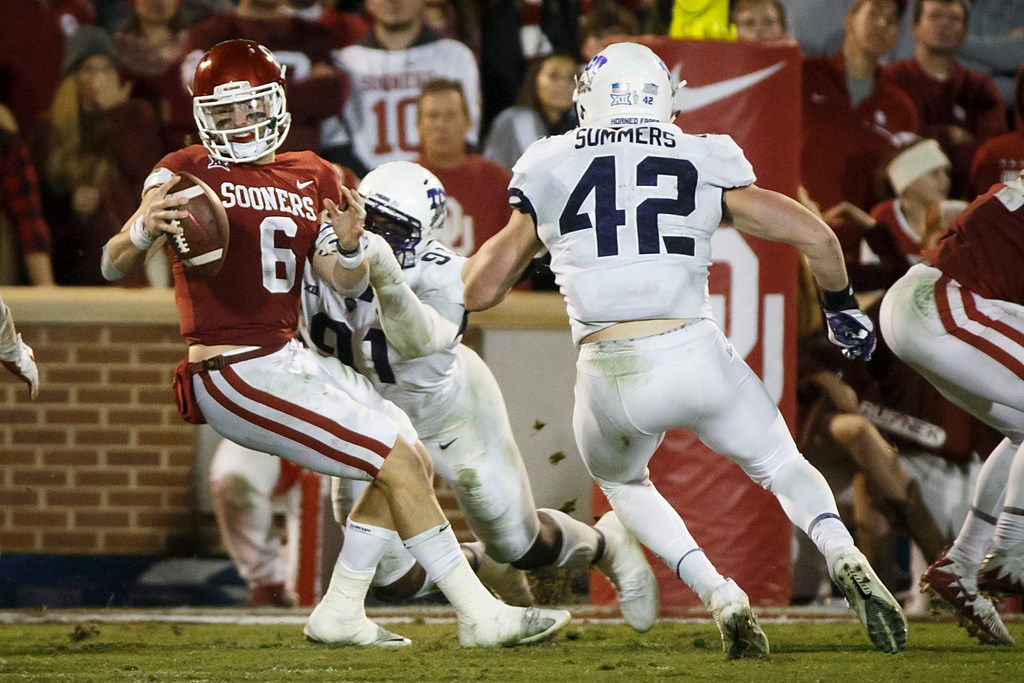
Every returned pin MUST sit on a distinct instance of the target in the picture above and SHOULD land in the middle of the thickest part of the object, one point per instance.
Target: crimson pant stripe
(1008, 331)
(329, 426)
(285, 431)
(991, 350)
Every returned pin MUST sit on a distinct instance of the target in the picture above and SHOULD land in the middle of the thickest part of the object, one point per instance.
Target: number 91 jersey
(627, 214)
(350, 330)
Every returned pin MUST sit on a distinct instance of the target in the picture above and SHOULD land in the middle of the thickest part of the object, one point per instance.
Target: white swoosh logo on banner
(696, 97)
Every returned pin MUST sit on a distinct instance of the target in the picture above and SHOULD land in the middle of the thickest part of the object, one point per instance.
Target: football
(203, 243)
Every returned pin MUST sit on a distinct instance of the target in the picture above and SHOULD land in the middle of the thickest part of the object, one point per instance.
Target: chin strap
(413, 329)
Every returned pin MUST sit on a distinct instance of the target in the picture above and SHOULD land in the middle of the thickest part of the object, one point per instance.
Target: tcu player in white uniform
(385, 72)
(404, 335)
(627, 204)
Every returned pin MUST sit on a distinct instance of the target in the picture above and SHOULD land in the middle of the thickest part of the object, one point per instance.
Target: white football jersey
(350, 330)
(379, 115)
(627, 214)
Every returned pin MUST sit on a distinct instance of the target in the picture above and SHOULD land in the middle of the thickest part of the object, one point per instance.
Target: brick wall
(100, 462)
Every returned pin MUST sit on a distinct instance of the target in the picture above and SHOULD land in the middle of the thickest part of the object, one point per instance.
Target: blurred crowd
(910, 110)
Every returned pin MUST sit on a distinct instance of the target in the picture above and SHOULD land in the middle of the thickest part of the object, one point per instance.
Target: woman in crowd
(92, 172)
(148, 51)
(544, 107)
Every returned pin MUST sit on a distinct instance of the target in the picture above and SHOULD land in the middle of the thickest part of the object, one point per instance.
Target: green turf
(800, 652)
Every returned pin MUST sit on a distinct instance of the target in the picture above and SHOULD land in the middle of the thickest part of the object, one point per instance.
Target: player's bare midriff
(198, 352)
(633, 329)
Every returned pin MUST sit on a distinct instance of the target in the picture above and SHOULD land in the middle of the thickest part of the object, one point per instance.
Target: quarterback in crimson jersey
(958, 319)
(255, 384)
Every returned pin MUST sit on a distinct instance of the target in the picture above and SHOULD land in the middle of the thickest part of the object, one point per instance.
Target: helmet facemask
(401, 231)
(239, 123)
(406, 205)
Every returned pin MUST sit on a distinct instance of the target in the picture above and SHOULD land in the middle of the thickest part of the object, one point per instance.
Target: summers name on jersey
(349, 329)
(628, 215)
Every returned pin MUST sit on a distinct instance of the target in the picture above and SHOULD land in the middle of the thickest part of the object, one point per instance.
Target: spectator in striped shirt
(21, 208)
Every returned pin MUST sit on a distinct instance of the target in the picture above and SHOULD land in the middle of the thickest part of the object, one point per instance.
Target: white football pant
(630, 392)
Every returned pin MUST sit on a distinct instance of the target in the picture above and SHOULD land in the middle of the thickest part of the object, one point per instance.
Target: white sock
(579, 541)
(656, 524)
(364, 546)
(975, 535)
(439, 553)
(1010, 529)
(697, 572)
(808, 502)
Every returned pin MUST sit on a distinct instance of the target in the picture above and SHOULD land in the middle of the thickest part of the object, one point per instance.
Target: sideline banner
(751, 92)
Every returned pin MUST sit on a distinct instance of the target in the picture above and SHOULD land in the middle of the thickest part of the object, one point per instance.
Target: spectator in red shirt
(148, 50)
(30, 55)
(1001, 159)
(476, 188)
(21, 206)
(92, 172)
(347, 28)
(956, 106)
(853, 114)
(315, 88)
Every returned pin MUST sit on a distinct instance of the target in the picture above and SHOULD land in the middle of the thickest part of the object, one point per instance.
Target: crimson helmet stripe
(234, 61)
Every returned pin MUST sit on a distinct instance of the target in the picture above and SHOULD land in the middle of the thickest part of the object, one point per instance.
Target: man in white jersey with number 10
(627, 204)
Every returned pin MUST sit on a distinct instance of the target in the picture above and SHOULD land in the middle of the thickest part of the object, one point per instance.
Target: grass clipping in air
(800, 652)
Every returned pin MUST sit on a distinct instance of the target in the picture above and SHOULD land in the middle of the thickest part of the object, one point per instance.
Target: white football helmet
(624, 84)
(406, 205)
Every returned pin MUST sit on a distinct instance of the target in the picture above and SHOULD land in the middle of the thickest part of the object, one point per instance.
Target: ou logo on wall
(742, 311)
(457, 233)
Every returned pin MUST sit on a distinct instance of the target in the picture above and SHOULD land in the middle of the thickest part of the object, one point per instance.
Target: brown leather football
(203, 244)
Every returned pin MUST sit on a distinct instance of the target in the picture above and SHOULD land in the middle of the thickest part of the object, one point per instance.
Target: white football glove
(22, 363)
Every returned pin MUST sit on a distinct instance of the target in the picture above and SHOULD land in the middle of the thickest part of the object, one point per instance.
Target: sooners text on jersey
(272, 212)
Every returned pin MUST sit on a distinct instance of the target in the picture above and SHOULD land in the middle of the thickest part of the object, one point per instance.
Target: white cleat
(509, 583)
(509, 626)
(326, 625)
(625, 564)
(874, 605)
(742, 637)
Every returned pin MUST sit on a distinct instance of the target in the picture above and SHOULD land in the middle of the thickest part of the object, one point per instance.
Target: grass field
(805, 651)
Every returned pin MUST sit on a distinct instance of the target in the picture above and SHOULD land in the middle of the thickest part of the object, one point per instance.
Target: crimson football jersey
(477, 193)
(966, 99)
(983, 249)
(273, 216)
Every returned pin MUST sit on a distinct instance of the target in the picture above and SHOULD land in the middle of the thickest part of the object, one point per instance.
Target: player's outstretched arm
(158, 214)
(776, 217)
(340, 259)
(496, 267)
(413, 329)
